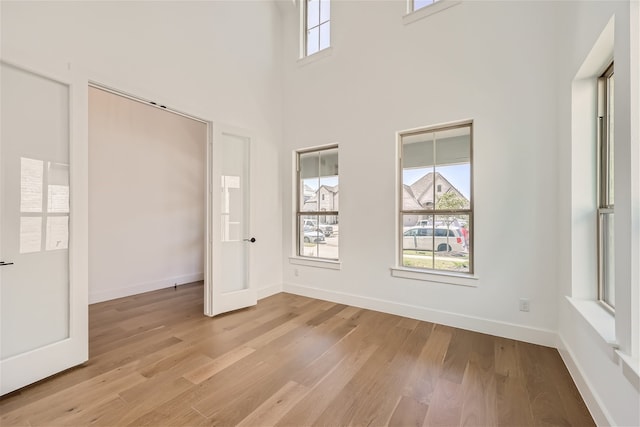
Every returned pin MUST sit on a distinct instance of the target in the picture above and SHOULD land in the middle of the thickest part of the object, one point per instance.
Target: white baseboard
(594, 405)
(492, 327)
(268, 291)
(139, 288)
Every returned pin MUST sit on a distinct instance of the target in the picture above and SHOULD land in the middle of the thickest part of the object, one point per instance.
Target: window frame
(304, 29)
(433, 211)
(299, 213)
(605, 200)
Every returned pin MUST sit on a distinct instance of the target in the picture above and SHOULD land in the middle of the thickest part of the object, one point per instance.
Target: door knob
(253, 239)
(2, 263)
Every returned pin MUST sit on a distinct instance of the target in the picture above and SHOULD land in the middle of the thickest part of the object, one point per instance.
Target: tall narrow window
(317, 25)
(318, 200)
(606, 290)
(436, 214)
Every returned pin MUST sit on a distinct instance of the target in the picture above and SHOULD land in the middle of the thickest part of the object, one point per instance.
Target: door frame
(26, 368)
(214, 130)
(208, 238)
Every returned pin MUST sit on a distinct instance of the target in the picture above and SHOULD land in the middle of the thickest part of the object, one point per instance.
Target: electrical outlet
(524, 304)
(295, 272)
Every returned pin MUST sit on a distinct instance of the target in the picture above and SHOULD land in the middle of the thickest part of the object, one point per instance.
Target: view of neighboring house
(420, 195)
(325, 199)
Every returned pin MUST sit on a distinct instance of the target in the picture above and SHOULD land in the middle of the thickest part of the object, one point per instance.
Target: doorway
(164, 214)
(147, 196)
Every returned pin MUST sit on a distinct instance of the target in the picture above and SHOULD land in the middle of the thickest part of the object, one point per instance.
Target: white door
(231, 239)
(43, 220)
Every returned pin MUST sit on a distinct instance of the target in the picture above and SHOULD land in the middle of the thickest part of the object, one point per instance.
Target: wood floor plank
(506, 358)
(349, 401)
(155, 360)
(323, 392)
(427, 371)
(446, 405)
(479, 403)
(206, 371)
(545, 402)
(512, 401)
(248, 395)
(408, 412)
(272, 409)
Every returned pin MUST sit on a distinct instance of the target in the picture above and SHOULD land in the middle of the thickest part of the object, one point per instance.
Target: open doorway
(147, 196)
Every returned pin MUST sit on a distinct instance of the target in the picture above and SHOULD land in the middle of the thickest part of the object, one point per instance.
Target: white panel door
(43, 280)
(231, 239)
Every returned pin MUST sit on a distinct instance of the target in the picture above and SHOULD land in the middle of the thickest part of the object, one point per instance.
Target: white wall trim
(592, 400)
(268, 291)
(139, 288)
(487, 326)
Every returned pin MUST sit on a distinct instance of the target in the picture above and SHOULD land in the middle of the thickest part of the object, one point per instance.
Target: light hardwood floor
(294, 361)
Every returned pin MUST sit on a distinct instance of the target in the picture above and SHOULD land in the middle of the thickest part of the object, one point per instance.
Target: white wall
(381, 77)
(218, 60)
(594, 34)
(510, 67)
(147, 175)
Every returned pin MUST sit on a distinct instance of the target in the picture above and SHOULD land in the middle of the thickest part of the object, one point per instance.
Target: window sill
(429, 10)
(321, 54)
(457, 279)
(602, 321)
(319, 263)
(630, 368)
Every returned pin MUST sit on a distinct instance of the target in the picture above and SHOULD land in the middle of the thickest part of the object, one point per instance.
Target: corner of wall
(593, 402)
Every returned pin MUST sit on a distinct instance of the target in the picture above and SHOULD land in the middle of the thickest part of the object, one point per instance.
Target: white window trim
(303, 60)
(448, 278)
(313, 262)
(432, 9)
(321, 54)
(438, 276)
(332, 264)
(601, 320)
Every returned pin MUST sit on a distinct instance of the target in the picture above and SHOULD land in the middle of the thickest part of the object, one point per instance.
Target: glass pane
(328, 162)
(310, 236)
(234, 203)
(452, 242)
(325, 10)
(325, 35)
(35, 289)
(440, 242)
(417, 241)
(607, 279)
(309, 181)
(319, 236)
(328, 226)
(313, 13)
(417, 171)
(452, 184)
(313, 40)
(418, 4)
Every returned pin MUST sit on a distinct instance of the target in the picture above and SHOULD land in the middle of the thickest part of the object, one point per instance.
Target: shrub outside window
(436, 209)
